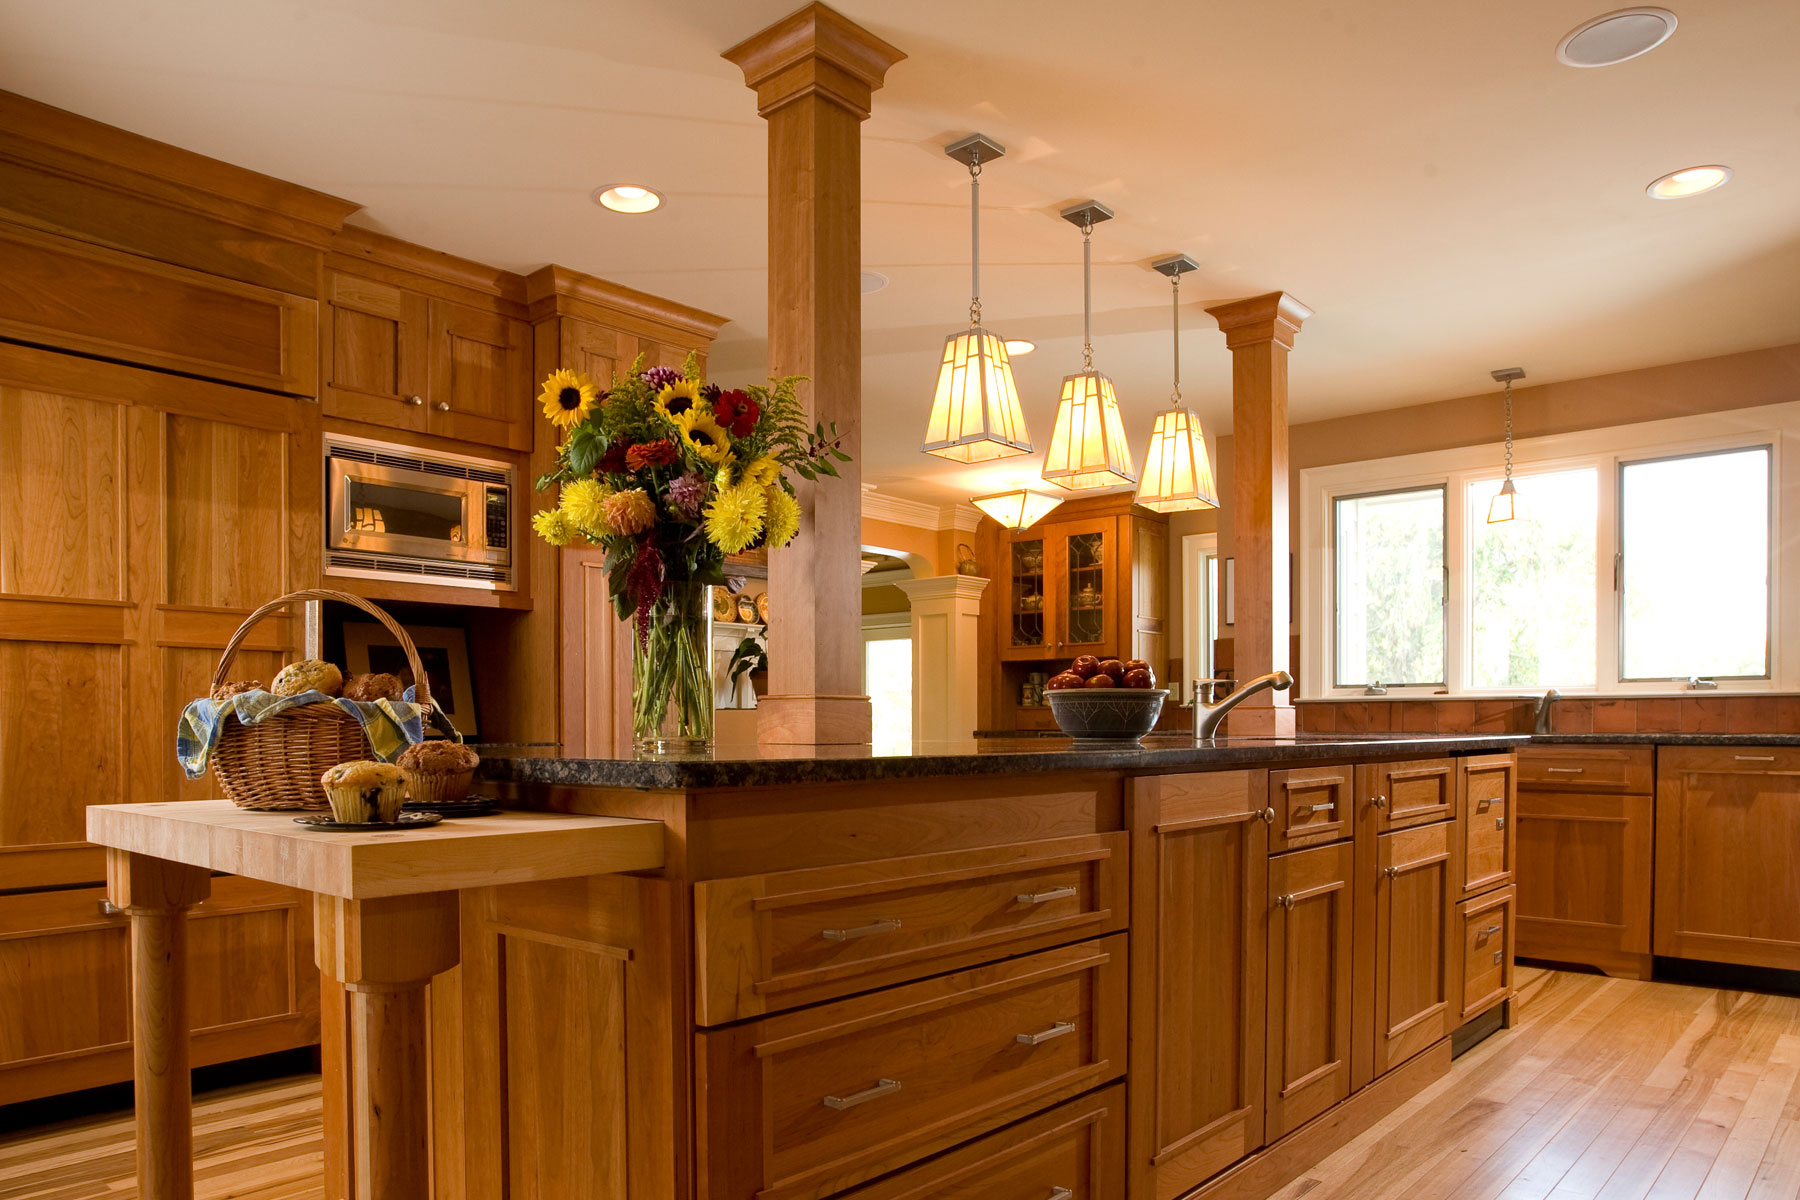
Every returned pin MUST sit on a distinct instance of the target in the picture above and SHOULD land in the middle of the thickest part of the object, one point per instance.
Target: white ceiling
(1422, 173)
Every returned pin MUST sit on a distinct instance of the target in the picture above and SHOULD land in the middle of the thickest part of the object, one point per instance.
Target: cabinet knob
(1286, 902)
(1377, 801)
(1391, 872)
(1267, 815)
(413, 401)
(441, 405)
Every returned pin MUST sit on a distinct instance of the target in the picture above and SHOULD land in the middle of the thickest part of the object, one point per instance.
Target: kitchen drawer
(1075, 1151)
(1312, 807)
(1586, 768)
(1728, 760)
(1488, 800)
(1405, 794)
(1487, 952)
(764, 943)
(806, 1104)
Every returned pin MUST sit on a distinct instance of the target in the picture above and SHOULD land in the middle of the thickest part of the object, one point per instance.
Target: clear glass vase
(672, 675)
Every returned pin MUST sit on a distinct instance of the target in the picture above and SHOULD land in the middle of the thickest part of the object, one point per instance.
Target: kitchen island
(1032, 968)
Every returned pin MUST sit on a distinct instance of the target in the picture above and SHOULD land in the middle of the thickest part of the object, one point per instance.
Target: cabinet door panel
(1310, 1026)
(70, 694)
(1488, 827)
(1415, 930)
(226, 541)
(480, 387)
(1313, 806)
(1485, 933)
(1086, 587)
(376, 354)
(62, 496)
(1406, 794)
(1584, 880)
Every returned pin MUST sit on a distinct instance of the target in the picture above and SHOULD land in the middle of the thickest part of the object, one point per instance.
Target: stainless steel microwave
(399, 512)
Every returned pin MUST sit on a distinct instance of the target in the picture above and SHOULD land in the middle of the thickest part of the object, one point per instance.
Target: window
(1200, 603)
(1531, 582)
(888, 679)
(1390, 588)
(1694, 566)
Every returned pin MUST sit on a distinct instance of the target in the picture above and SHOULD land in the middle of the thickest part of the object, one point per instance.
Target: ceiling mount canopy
(975, 414)
(1020, 508)
(1178, 475)
(1088, 449)
(1501, 507)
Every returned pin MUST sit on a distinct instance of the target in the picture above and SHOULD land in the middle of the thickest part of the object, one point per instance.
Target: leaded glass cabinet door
(1088, 583)
(1028, 605)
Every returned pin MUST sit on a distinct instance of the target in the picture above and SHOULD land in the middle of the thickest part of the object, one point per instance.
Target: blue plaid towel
(390, 725)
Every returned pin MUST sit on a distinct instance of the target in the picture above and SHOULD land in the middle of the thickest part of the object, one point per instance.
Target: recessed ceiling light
(1018, 346)
(1689, 181)
(1616, 37)
(873, 281)
(627, 198)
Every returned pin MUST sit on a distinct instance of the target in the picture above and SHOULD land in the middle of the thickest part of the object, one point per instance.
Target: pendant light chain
(1509, 440)
(1087, 295)
(975, 238)
(1175, 295)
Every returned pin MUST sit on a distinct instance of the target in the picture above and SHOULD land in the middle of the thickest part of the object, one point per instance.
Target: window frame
(1362, 689)
(1608, 450)
(1199, 609)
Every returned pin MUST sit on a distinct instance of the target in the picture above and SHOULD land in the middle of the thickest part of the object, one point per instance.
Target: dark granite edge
(1666, 739)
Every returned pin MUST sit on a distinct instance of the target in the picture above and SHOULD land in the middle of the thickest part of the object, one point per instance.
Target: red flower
(651, 454)
(737, 411)
(613, 461)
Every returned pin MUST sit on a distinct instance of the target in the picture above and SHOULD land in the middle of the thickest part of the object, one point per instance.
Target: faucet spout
(1208, 717)
(1541, 723)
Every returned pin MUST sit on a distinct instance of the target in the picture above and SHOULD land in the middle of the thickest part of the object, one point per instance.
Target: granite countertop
(764, 766)
(1666, 739)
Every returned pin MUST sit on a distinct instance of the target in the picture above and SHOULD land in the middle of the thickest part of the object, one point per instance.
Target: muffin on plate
(235, 687)
(372, 686)
(439, 772)
(361, 792)
(308, 675)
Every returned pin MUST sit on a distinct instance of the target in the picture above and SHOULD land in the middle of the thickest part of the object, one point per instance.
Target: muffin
(236, 687)
(439, 772)
(361, 792)
(308, 675)
(377, 685)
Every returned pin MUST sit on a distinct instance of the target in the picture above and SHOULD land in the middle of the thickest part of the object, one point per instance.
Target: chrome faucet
(1209, 716)
(1541, 723)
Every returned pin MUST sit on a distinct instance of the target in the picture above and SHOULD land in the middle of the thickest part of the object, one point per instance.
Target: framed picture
(443, 651)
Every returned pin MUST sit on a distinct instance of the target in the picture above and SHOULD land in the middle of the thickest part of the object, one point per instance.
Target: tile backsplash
(1580, 714)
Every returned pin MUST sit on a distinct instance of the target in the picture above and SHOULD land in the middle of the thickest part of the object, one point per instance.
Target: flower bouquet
(670, 474)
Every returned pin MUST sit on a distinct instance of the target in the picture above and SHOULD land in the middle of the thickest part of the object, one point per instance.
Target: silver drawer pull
(1564, 770)
(1318, 808)
(885, 925)
(1497, 955)
(1060, 1193)
(1499, 822)
(883, 1087)
(1754, 757)
(109, 909)
(1038, 1039)
(1488, 930)
(1059, 893)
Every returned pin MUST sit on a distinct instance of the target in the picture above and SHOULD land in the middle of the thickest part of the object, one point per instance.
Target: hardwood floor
(1606, 1090)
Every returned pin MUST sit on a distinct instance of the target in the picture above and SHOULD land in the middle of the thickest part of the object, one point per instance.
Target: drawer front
(1075, 1151)
(1728, 760)
(1487, 952)
(808, 1103)
(1406, 794)
(1312, 807)
(1488, 824)
(770, 942)
(1587, 768)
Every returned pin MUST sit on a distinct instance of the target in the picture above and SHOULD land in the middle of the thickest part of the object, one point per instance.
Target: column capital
(814, 51)
(943, 587)
(1271, 317)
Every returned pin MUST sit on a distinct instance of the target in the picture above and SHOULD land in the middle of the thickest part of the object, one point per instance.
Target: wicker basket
(275, 764)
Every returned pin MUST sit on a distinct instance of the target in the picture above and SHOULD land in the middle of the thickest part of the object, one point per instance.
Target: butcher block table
(385, 912)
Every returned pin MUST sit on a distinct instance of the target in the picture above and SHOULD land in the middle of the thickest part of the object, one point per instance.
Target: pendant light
(1020, 508)
(1501, 507)
(975, 415)
(1088, 450)
(1178, 473)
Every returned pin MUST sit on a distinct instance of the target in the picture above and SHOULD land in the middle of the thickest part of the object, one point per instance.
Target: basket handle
(421, 685)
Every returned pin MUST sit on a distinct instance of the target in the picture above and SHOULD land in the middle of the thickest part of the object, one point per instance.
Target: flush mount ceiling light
(1501, 507)
(975, 415)
(1178, 473)
(1616, 37)
(1088, 449)
(1020, 508)
(1018, 347)
(873, 281)
(627, 198)
(1689, 181)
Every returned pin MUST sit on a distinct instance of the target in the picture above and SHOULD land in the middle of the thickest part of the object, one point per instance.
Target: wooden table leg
(157, 894)
(384, 951)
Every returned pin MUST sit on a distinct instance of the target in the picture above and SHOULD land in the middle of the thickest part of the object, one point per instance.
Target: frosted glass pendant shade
(1088, 449)
(1178, 473)
(975, 416)
(1020, 508)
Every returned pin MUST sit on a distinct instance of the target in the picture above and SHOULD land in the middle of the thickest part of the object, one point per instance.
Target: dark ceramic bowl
(1106, 714)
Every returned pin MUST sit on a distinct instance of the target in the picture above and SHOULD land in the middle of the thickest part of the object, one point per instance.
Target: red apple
(1112, 667)
(1136, 664)
(1101, 681)
(1139, 679)
(1085, 666)
(1064, 681)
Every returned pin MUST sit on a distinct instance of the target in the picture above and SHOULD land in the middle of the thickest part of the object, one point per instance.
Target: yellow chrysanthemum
(784, 517)
(703, 435)
(584, 503)
(735, 517)
(764, 471)
(677, 399)
(631, 511)
(554, 526)
(568, 397)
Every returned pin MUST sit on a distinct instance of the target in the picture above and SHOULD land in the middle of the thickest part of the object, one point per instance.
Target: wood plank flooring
(1606, 1090)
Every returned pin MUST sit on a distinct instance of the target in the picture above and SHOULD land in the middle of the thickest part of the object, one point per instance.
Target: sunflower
(568, 397)
(735, 517)
(764, 471)
(584, 503)
(676, 400)
(784, 517)
(703, 435)
(554, 526)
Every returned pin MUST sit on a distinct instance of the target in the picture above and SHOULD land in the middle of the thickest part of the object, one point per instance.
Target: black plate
(472, 807)
(329, 824)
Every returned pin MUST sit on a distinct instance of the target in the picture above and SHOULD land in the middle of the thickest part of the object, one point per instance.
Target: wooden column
(946, 623)
(157, 895)
(1259, 332)
(384, 952)
(813, 73)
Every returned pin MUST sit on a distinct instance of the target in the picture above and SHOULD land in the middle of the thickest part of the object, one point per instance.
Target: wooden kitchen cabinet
(1310, 954)
(377, 352)
(1485, 930)
(1727, 822)
(1412, 929)
(1405, 794)
(1487, 798)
